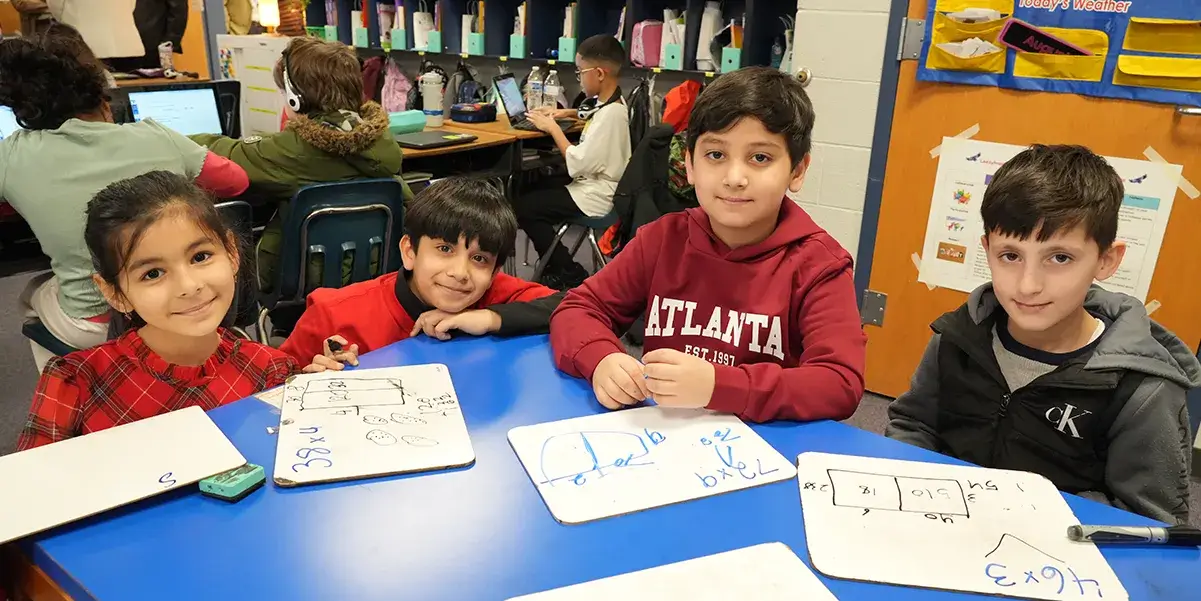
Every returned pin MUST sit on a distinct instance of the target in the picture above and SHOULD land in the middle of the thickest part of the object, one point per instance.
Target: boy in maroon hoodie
(750, 305)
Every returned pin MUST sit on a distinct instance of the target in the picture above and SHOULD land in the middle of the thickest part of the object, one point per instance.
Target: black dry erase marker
(334, 345)
(1176, 536)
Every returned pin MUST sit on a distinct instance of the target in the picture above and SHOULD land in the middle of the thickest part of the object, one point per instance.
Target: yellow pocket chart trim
(945, 61)
(1163, 35)
(1055, 66)
(1161, 72)
(1005, 7)
(947, 30)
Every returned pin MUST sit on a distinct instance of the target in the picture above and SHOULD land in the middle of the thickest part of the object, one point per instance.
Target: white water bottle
(533, 90)
(551, 90)
(431, 98)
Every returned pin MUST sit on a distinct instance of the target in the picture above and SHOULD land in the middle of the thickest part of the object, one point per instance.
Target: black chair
(244, 310)
(588, 228)
(334, 235)
(35, 330)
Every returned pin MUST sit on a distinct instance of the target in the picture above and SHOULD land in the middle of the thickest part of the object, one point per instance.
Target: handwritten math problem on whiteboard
(610, 464)
(949, 527)
(364, 423)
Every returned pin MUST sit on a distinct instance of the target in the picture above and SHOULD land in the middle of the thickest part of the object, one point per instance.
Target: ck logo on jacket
(763, 332)
(1064, 418)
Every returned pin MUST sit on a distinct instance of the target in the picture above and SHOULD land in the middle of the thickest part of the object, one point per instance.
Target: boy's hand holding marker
(438, 324)
(619, 381)
(666, 376)
(678, 379)
(337, 355)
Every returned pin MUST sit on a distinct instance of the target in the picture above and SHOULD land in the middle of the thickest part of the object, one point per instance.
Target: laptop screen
(510, 95)
(188, 112)
(8, 122)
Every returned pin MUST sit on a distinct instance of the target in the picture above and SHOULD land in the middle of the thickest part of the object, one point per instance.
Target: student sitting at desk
(595, 164)
(68, 150)
(166, 262)
(750, 305)
(331, 136)
(458, 233)
(1043, 371)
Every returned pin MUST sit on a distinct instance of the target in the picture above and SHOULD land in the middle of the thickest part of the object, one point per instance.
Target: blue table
(480, 533)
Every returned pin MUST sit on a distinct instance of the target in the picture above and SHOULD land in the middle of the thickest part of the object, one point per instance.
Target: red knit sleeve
(222, 177)
(55, 414)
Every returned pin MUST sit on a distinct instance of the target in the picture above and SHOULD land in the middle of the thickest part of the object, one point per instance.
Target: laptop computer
(8, 122)
(510, 94)
(433, 139)
(188, 111)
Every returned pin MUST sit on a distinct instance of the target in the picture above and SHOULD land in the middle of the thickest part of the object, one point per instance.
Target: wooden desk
(484, 139)
(501, 126)
(157, 81)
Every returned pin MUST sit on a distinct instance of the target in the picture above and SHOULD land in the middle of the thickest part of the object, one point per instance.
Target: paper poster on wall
(264, 102)
(953, 256)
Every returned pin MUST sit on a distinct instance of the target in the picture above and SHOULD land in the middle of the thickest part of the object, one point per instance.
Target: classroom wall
(842, 43)
(10, 19)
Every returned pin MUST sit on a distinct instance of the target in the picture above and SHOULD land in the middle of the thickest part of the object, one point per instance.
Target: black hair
(460, 207)
(46, 81)
(774, 98)
(1052, 189)
(118, 216)
(604, 49)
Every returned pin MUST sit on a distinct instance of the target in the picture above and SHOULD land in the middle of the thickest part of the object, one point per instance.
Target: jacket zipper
(996, 435)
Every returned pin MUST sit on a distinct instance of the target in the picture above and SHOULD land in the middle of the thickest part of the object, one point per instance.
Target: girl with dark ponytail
(167, 263)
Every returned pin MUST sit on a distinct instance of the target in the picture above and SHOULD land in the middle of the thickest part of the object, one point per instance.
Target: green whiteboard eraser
(234, 485)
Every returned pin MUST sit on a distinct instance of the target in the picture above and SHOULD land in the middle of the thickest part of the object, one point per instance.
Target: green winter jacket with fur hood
(329, 147)
(317, 148)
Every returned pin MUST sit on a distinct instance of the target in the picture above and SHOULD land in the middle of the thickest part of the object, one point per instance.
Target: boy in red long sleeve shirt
(457, 234)
(750, 305)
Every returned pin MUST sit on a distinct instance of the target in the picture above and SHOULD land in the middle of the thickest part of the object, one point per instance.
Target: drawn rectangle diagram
(932, 495)
(861, 489)
(368, 392)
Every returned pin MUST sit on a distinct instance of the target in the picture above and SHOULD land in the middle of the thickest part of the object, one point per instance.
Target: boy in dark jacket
(331, 136)
(750, 305)
(1044, 371)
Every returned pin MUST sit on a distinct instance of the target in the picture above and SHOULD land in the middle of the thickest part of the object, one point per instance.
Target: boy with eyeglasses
(595, 164)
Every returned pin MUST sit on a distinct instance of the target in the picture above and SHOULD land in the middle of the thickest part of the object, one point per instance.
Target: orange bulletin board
(926, 111)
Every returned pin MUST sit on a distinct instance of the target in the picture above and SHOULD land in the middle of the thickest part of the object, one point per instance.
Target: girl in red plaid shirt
(167, 263)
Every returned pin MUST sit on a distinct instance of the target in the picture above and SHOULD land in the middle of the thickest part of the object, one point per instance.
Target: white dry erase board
(950, 527)
(343, 425)
(79, 477)
(598, 466)
(767, 572)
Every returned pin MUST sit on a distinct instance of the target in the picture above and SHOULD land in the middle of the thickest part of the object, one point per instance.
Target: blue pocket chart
(1147, 50)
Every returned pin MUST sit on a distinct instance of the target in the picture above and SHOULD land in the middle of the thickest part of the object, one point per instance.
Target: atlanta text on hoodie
(777, 319)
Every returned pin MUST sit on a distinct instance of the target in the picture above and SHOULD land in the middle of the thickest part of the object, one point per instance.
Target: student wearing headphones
(330, 136)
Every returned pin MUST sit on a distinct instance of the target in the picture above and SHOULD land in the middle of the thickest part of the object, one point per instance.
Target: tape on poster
(917, 262)
(1185, 186)
(967, 133)
(1152, 306)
